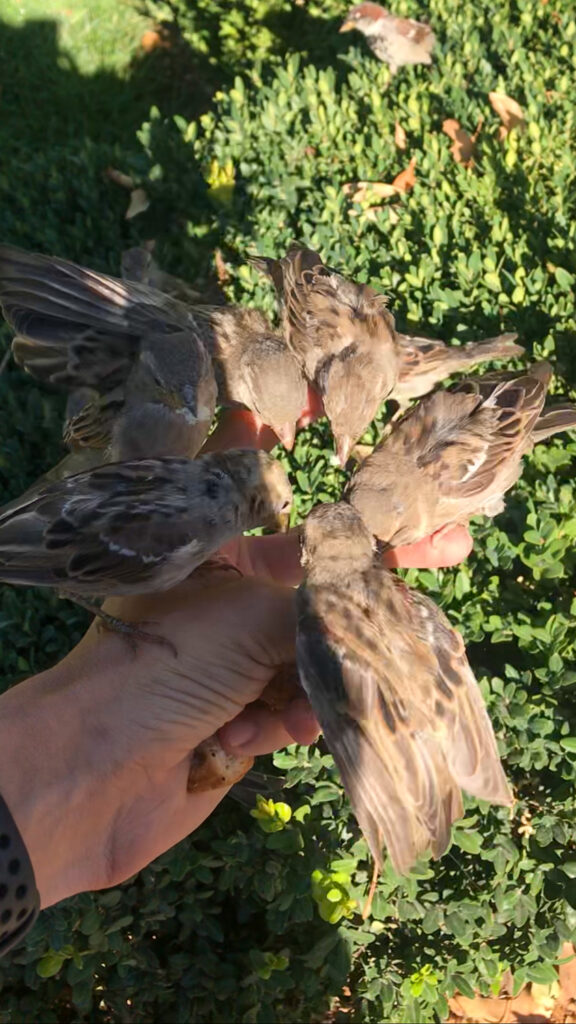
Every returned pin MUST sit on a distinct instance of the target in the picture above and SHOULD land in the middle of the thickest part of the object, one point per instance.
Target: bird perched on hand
(455, 454)
(343, 336)
(392, 689)
(395, 41)
(255, 368)
(139, 526)
(424, 362)
(253, 365)
(139, 351)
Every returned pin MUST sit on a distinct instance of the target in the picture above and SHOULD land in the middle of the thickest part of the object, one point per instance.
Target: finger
(259, 730)
(444, 548)
(240, 428)
(274, 557)
(313, 409)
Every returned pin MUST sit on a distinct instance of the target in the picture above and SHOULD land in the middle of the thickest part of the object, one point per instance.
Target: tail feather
(503, 346)
(554, 421)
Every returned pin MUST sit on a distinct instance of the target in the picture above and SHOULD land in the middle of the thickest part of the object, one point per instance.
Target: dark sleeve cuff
(19, 899)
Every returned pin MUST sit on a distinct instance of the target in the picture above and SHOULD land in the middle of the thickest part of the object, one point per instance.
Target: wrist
(56, 764)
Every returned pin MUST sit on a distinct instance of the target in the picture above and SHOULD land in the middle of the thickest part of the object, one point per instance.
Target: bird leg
(131, 631)
(366, 909)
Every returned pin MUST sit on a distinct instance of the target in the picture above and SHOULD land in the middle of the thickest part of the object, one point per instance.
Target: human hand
(95, 755)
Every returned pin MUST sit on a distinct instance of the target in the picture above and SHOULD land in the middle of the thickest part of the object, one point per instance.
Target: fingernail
(239, 733)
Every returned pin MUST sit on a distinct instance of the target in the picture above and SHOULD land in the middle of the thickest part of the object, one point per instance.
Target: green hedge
(252, 919)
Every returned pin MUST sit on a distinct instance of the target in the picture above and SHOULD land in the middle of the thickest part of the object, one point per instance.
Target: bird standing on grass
(392, 689)
(343, 335)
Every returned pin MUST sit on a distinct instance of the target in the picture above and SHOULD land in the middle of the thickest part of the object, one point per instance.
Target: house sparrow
(255, 368)
(138, 526)
(424, 362)
(79, 329)
(455, 454)
(395, 41)
(342, 334)
(390, 684)
(253, 365)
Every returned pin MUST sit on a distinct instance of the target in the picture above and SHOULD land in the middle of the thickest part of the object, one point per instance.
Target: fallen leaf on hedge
(359, 191)
(138, 203)
(406, 179)
(463, 145)
(399, 136)
(509, 111)
(150, 40)
(119, 178)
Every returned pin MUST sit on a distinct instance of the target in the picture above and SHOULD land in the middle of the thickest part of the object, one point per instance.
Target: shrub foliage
(256, 918)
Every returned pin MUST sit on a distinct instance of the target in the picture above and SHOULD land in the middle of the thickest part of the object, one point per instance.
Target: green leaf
(50, 964)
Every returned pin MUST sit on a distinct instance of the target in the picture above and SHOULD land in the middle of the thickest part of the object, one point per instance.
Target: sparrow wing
(402, 716)
(75, 327)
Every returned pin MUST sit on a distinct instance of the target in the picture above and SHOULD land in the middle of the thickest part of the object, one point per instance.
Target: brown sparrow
(253, 366)
(343, 336)
(455, 454)
(139, 526)
(395, 41)
(391, 686)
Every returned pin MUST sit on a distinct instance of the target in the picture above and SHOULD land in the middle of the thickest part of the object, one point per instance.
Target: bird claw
(133, 632)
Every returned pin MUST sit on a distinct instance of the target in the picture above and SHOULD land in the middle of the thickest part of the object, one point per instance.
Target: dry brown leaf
(222, 272)
(359, 191)
(150, 40)
(399, 136)
(462, 147)
(154, 38)
(119, 178)
(406, 180)
(138, 203)
(509, 111)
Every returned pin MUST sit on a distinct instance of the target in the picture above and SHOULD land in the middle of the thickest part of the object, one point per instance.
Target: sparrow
(253, 365)
(390, 684)
(138, 351)
(395, 41)
(138, 526)
(255, 368)
(424, 362)
(342, 334)
(455, 454)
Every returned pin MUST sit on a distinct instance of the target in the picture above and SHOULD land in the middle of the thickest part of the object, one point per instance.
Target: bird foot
(212, 768)
(132, 632)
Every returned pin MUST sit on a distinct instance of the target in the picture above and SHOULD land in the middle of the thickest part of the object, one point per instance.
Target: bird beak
(282, 522)
(343, 448)
(287, 433)
(347, 26)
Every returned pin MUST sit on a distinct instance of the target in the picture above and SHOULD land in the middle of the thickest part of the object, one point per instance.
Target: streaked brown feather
(452, 456)
(391, 686)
